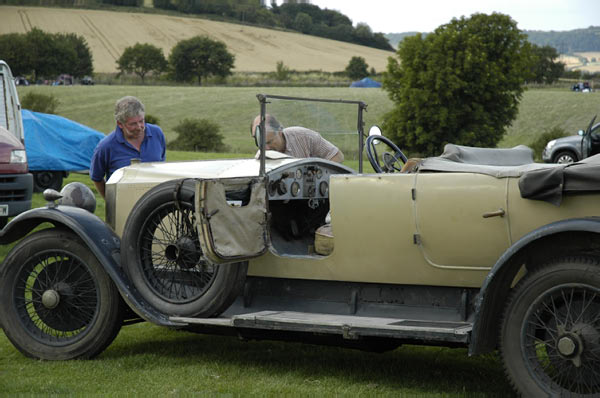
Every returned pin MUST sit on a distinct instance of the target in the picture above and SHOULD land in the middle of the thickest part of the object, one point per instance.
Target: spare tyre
(161, 254)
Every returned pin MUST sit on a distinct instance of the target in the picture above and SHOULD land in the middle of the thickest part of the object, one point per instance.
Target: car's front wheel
(56, 300)
(161, 253)
(550, 336)
(565, 157)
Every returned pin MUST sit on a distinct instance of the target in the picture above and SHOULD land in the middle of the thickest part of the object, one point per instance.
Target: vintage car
(477, 248)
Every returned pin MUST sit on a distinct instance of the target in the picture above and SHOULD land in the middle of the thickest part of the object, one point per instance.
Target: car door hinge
(417, 239)
(413, 193)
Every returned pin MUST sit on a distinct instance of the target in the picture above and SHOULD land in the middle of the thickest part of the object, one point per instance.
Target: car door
(591, 140)
(461, 219)
(232, 218)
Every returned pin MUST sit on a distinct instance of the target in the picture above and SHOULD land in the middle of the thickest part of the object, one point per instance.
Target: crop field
(108, 33)
(576, 61)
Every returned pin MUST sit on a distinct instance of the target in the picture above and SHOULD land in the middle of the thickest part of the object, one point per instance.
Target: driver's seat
(411, 165)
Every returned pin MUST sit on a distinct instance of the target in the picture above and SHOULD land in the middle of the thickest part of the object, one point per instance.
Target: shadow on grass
(409, 368)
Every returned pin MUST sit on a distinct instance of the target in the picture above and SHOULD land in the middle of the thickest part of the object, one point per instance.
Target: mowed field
(255, 49)
(575, 62)
(233, 108)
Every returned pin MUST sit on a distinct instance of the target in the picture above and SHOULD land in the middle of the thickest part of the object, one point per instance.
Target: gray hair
(128, 107)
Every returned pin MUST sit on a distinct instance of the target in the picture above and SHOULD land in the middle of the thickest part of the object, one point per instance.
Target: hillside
(579, 48)
(256, 49)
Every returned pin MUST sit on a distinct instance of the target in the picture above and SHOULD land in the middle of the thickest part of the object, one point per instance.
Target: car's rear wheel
(565, 157)
(162, 256)
(56, 300)
(550, 336)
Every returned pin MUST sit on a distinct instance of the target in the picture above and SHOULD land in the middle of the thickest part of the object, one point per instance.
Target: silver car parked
(570, 149)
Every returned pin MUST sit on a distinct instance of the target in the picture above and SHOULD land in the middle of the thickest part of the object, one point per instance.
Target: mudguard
(99, 238)
(490, 301)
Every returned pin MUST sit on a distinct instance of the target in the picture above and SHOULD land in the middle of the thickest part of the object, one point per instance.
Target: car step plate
(351, 327)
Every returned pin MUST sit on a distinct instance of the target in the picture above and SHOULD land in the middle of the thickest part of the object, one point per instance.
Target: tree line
(304, 18)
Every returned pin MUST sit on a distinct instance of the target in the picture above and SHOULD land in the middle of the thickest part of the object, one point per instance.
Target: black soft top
(537, 181)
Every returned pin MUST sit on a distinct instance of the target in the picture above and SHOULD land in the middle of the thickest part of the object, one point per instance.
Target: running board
(350, 327)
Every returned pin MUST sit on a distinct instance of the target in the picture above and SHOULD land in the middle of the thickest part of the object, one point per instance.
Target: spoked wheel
(56, 300)
(550, 338)
(163, 257)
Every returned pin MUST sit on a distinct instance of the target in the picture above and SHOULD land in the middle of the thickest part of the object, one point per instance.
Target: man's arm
(100, 185)
(338, 157)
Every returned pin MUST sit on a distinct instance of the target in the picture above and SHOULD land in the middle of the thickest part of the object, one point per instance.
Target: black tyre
(47, 179)
(56, 300)
(550, 337)
(565, 157)
(161, 254)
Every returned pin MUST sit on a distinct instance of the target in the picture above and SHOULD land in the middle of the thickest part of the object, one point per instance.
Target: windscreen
(335, 122)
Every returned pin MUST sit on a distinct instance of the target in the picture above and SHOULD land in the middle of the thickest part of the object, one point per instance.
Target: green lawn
(233, 108)
(148, 360)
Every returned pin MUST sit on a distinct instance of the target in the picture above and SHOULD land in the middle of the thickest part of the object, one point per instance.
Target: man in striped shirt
(296, 141)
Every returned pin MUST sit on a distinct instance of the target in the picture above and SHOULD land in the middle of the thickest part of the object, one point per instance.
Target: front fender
(102, 241)
(490, 301)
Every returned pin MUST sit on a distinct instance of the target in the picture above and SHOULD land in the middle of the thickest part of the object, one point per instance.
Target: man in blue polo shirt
(132, 139)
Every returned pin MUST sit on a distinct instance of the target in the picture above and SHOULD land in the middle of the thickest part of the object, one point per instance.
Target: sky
(397, 16)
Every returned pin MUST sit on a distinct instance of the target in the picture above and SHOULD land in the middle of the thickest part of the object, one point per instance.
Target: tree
(546, 68)
(460, 84)
(82, 65)
(357, 68)
(200, 57)
(282, 72)
(14, 50)
(303, 22)
(49, 57)
(142, 59)
(198, 135)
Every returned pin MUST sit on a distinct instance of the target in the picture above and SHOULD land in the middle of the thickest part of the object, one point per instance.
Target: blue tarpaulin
(366, 82)
(53, 142)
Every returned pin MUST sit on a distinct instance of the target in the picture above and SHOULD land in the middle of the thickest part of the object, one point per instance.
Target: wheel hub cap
(50, 299)
(184, 252)
(566, 346)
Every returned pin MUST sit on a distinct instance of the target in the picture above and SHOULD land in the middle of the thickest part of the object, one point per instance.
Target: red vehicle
(16, 183)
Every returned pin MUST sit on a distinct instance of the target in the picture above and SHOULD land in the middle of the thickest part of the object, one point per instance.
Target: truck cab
(16, 183)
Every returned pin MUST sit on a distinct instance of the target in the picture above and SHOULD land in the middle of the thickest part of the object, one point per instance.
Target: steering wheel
(389, 160)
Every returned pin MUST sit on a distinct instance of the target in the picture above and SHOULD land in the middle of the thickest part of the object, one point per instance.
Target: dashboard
(303, 180)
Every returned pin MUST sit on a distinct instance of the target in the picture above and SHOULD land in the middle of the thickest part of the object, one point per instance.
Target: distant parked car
(583, 87)
(63, 80)
(21, 81)
(87, 81)
(571, 149)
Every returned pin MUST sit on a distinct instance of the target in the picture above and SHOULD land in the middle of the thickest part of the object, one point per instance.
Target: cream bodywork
(135, 180)
(423, 228)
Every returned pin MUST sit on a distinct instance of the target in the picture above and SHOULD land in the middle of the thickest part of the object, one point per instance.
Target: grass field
(233, 108)
(108, 33)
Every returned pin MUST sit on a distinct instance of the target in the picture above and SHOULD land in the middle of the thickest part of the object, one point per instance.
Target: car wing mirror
(581, 133)
(257, 135)
(375, 130)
